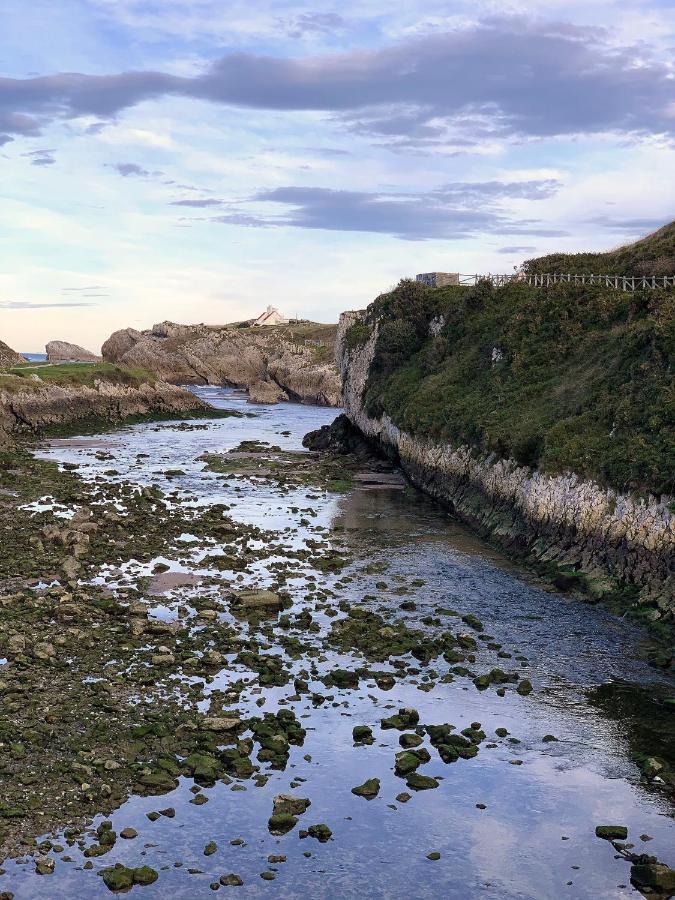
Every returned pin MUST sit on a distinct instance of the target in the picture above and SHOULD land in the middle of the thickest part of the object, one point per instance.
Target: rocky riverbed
(228, 662)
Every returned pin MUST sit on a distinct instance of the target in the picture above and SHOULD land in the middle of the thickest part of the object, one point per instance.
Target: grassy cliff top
(19, 377)
(560, 378)
(651, 255)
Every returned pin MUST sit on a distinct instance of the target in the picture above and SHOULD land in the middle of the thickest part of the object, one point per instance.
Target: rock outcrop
(9, 357)
(62, 351)
(274, 364)
(607, 541)
(35, 406)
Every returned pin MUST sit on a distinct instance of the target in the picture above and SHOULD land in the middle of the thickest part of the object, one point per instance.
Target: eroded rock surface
(273, 363)
(63, 351)
(9, 357)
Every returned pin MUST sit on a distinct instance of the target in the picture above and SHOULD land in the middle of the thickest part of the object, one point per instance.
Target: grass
(80, 374)
(561, 378)
(652, 255)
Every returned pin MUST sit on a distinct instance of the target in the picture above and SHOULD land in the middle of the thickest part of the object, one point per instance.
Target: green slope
(561, 378)
(651, 255)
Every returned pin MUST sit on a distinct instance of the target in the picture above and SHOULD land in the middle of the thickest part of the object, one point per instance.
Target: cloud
(198, 204)
(126, 169)
(311, 24)
(517, 249)
(41, 157)
(505, 77)
(454, 211)
(28, 304)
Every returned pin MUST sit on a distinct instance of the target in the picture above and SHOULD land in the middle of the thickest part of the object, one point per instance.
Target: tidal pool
(516, 821)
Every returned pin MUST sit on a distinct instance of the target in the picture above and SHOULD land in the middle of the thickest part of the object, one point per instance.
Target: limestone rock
(9, 357)
(63, 351)
(273, 363)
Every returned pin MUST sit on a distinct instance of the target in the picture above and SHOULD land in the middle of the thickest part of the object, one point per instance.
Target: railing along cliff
(619, 282)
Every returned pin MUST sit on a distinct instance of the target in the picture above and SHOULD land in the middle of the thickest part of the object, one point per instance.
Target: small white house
(271, 316)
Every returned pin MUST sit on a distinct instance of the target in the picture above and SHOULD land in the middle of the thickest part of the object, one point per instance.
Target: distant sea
(35, 357)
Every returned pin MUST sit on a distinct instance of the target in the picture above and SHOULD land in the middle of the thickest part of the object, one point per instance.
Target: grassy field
(19, 377)
(559, 378)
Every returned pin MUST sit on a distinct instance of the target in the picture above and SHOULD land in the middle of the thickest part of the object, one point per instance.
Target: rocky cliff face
(62, 351)
(9, 357)
(32, 407)
(613, 543)
(273, 363)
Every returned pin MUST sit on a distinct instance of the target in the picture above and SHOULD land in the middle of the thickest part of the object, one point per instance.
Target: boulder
(62, 351)
(9, 357)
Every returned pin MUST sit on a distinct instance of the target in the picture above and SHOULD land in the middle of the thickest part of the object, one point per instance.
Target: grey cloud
(506, 76)
(457, 210)
(197, 204)
(126, 169)
(40, 157)
(5, 139)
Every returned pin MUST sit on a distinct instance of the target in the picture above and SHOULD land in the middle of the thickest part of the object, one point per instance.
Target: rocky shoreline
(277, 363)
(36, 407)
(613, 547)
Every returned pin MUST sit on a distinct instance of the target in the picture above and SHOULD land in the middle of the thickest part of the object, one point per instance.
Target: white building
(271, 316)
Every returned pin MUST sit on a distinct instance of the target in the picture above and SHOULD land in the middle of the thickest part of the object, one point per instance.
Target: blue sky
(195, 160)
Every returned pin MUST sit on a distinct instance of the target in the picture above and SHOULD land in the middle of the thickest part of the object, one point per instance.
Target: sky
(195, 160)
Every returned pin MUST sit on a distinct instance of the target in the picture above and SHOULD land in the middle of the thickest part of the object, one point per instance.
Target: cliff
(32, 404)
(562, 459)
(293, 362)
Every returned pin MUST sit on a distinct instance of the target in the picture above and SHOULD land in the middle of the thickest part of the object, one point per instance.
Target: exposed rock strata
(9, 357)
(62, 351)
(612, 538)
(243, 357)
(42, 405)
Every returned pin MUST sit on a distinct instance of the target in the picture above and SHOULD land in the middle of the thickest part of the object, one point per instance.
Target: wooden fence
(620, 282)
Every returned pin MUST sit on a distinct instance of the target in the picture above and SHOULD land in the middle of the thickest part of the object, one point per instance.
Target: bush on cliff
(561, 378)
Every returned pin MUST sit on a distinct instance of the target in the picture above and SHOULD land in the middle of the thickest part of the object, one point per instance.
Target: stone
(63, 351)
(362, 734)
(369, 789)
(281, 823)
(321, 832)
(288, 803)
(118, 878)
(656, 876)
(524, 687)
(145, 875)
(220, 723)
(421, 782)
(231, 880)
(257, 599)
(434, 855)
(128, 833)
(210, 848)
(44, 865)
(611, 832)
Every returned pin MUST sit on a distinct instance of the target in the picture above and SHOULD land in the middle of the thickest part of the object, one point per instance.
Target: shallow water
(534, 839)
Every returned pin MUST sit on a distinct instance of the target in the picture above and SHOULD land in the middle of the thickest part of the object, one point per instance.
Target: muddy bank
(614, 547)
(31, 407)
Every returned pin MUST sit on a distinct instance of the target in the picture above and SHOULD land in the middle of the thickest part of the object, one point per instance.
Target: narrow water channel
(515, 821)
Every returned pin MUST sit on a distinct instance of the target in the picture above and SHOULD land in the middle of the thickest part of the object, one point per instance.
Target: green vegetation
(560, 378)
(652, 255)
(79, 374)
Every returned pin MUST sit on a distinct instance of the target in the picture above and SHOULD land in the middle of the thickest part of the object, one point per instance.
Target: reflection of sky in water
(512, 849)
